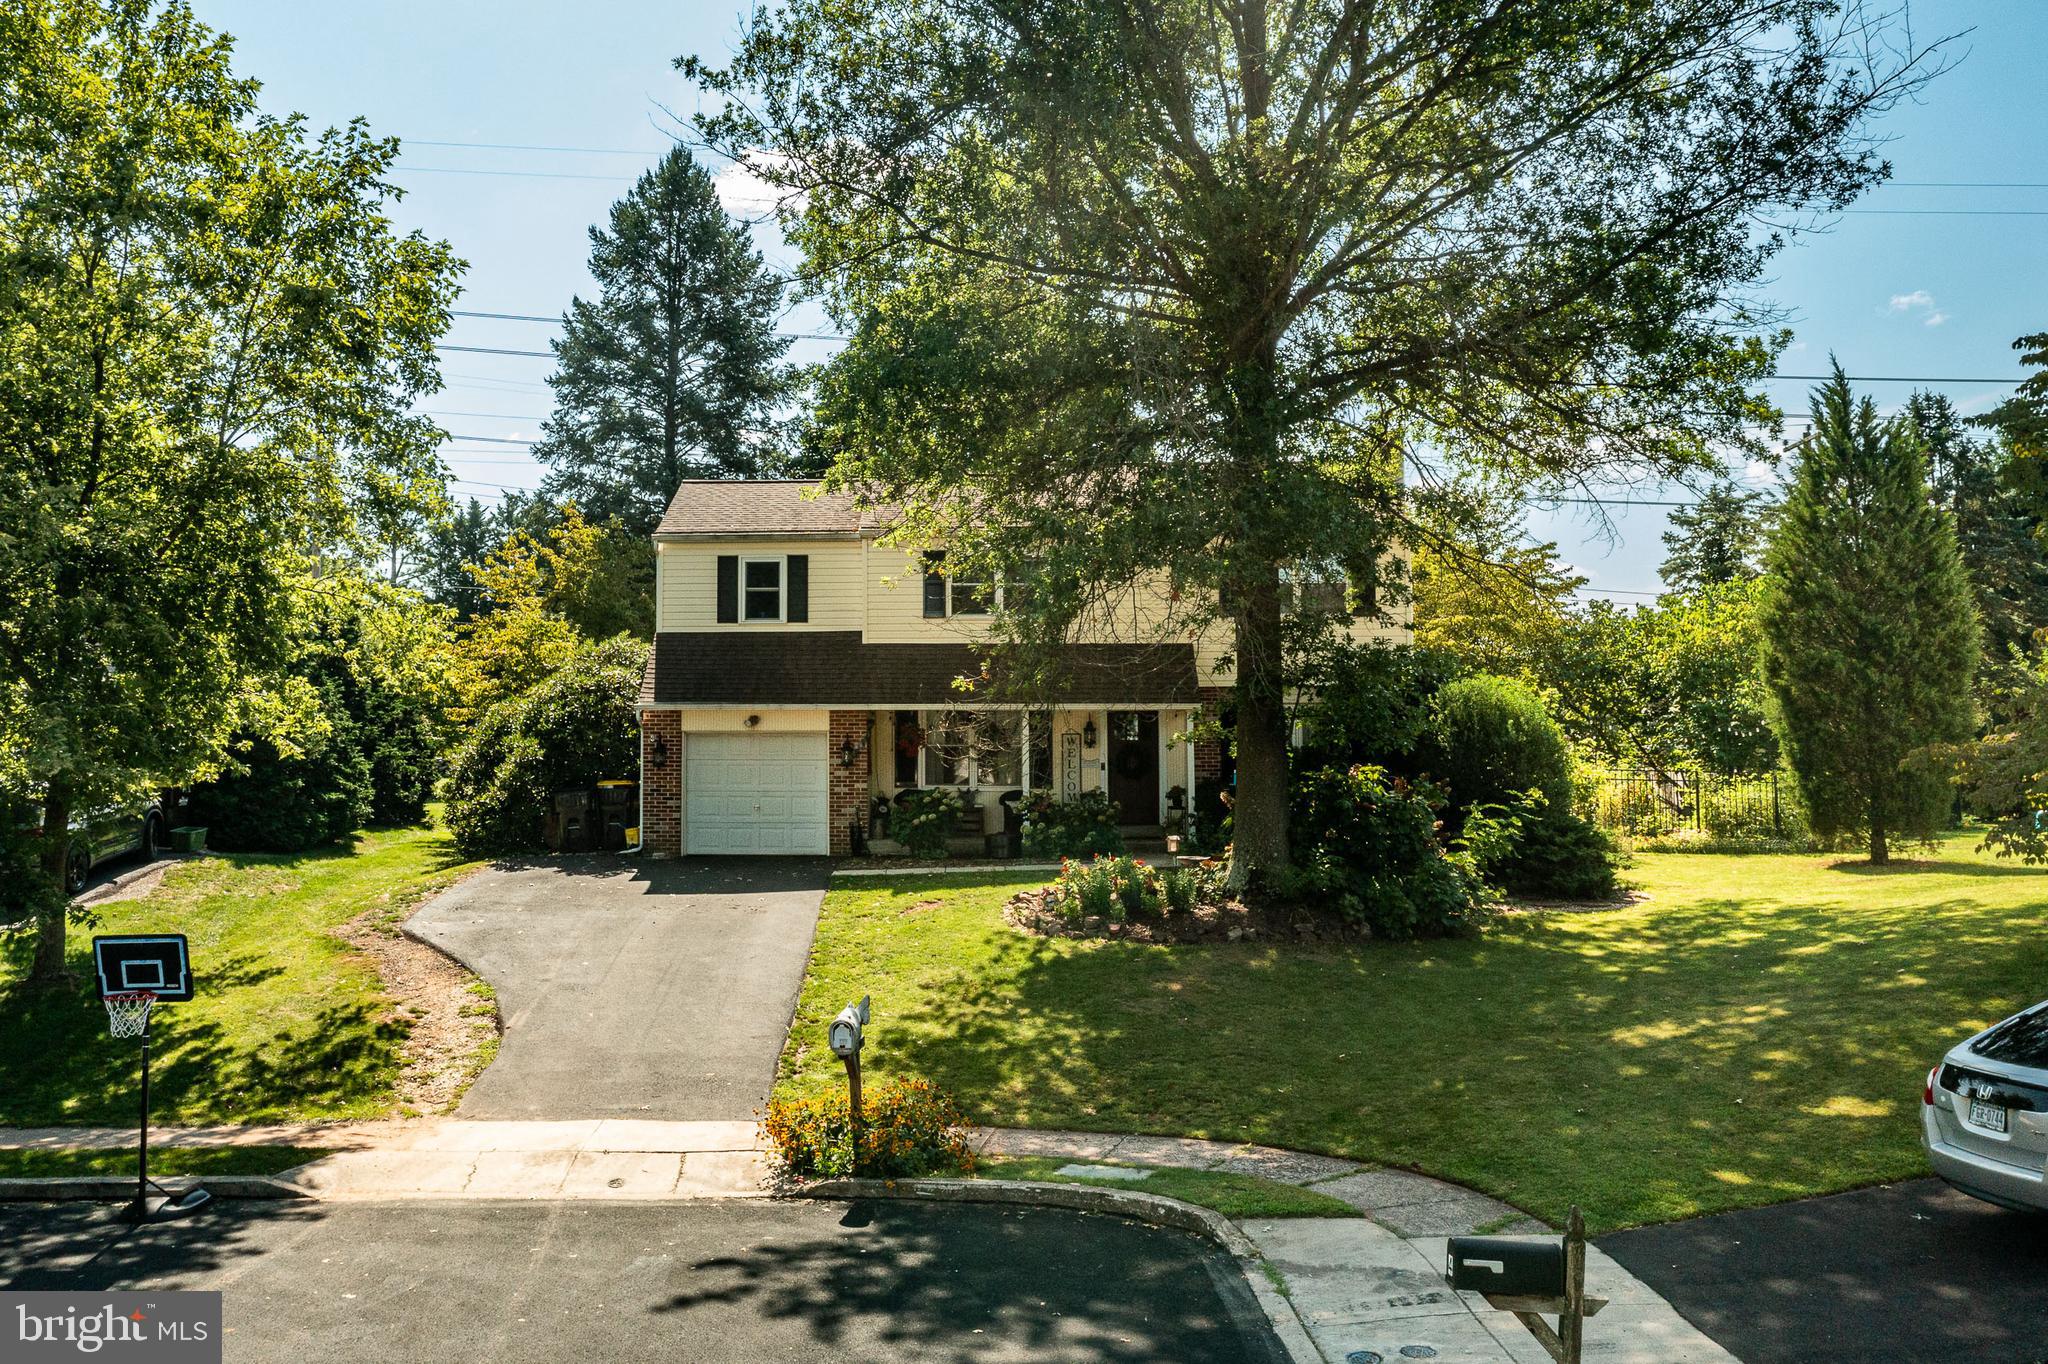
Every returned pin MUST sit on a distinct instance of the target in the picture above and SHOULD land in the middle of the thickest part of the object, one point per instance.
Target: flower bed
(1128, 899)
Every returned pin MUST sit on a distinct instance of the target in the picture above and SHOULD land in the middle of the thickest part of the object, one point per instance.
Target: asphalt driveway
(1907, 1271)
(657, 991)
(747, 1282)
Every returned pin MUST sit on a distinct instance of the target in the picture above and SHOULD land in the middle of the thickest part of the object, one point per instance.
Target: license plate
(1990, 1117)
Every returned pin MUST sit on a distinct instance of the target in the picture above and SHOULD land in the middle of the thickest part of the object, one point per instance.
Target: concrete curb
(1155, 1209)
(110, 1188)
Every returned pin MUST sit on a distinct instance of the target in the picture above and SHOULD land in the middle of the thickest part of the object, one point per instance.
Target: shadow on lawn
(58, 1066)
(1722, 1053)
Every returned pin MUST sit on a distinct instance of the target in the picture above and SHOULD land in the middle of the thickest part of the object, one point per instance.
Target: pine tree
(1718, 539)
(1870, 630)
(671, 372)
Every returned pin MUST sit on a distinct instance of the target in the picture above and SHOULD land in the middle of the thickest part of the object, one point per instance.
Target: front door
(1134, 765)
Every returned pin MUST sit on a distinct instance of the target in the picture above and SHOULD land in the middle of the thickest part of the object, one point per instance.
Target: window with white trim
(761, 583)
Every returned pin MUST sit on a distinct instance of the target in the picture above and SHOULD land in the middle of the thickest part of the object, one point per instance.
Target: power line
(507, 317)
(532, 147)
(515, 174)
(489, 440)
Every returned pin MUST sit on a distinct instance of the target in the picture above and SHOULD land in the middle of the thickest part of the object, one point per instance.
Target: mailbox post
(1531, 1278)
(847, 1035)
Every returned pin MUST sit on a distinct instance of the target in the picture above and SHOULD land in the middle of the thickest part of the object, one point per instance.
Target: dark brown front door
(1134, 765)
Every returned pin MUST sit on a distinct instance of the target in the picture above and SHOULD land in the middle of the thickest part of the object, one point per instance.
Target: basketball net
(128, 1014)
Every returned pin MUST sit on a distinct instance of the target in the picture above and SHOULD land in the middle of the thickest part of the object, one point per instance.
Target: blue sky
(1927, 277)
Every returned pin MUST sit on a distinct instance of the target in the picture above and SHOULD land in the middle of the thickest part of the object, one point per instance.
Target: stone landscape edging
(1154, 1209)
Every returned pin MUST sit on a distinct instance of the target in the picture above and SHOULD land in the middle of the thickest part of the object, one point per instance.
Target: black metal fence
(1642, 802)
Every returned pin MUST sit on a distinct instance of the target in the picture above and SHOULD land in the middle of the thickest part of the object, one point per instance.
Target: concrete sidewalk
(1359, 1288)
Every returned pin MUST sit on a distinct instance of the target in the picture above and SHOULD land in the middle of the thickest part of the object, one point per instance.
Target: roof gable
(713, 508)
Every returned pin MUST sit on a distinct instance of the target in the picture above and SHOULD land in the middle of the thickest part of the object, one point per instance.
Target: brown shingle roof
(713, 507)
(834, 668)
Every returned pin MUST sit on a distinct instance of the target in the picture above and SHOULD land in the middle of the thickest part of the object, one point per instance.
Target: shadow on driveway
(1910, 1271)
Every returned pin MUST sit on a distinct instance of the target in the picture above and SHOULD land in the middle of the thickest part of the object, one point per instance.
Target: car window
(2021, 1041)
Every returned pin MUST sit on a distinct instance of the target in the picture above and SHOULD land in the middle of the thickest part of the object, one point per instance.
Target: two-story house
(801, 670)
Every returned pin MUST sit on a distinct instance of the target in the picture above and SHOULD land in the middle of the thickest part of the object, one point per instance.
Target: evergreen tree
(1718, 539)
(671, 372)
(1870, 633)
(468, 534)
(1993, 530)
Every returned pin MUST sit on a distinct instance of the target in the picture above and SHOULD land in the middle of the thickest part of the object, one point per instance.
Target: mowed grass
(289, 1023)
(1758, 1030)
(73, 1162)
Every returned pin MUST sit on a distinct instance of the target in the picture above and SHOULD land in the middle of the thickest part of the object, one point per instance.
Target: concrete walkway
(1358, 1287)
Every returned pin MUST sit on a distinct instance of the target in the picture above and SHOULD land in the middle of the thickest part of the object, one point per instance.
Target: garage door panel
(756, 793)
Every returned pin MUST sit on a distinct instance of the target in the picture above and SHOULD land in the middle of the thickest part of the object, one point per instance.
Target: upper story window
(764, 589)
(761, 589)
(957, 595)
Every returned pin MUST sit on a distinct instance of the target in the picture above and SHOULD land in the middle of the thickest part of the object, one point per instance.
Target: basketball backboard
(156, 962)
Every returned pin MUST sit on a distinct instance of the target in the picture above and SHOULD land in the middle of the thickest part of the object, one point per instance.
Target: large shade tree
(210, 343)
(1171, 287)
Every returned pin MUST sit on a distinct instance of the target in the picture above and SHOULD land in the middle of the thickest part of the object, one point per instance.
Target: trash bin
(568, 828)
(615, 813)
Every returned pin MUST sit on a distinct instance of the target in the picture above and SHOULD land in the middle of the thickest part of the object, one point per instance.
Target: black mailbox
(1506, 1265)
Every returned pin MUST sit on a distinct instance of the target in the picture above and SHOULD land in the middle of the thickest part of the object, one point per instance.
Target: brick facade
(847, 806)
(661, 787)
(1209, 752)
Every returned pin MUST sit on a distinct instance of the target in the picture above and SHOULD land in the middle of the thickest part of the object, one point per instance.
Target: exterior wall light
(849, 753)
(657, 756)
(1088, 735)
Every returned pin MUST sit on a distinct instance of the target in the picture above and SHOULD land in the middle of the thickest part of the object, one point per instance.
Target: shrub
(1490, 740)
(1181, 888)
(923, 820)
(1082, 827)
(1369, 702)
(272, 800)
(1371, 853)
(575, 727)
(908, 1127)
(1117, 889)
(1560, 856)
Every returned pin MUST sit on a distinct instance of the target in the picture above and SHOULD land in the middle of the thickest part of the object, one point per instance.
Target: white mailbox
(845, 1033)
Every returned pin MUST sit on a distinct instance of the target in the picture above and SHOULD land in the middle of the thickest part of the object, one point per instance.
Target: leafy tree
(671, 372)
(1718, 539)
(1994, 532)
(1870, 632)
(211, 341)
(2022, 419)
(465, 536)
(576, 726)
(1197, 277)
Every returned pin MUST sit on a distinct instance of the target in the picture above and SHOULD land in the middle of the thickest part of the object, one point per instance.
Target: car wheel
(152, 838)
(77, 870)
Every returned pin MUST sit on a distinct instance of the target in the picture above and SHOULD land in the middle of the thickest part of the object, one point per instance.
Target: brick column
(661, 788)
(1209, 752)
(848, 802)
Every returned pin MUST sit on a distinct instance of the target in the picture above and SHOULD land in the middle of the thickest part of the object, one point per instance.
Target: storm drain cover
(1418, 1352)
(1362, 1357)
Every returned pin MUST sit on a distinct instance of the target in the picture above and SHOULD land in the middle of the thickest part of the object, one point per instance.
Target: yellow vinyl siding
(686, 583)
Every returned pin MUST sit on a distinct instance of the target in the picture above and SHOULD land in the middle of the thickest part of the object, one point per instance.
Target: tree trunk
(53, 905)
(1880, 854)
(1259, 813)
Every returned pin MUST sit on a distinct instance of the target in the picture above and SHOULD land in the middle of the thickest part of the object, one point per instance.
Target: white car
(1984, 1113)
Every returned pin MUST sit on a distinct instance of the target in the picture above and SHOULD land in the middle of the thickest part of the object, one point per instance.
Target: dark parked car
(101, 835)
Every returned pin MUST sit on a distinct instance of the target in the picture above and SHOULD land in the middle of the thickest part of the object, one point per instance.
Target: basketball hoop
(128, 1014)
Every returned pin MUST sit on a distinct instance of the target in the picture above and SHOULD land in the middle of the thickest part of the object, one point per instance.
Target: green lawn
(1758, 1030)
(1236, 1196)
(289, 1023)
(71, 1162)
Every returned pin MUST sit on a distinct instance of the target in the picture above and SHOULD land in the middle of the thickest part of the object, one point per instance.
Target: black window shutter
(798, 586)
(934, 584)
(728, 589)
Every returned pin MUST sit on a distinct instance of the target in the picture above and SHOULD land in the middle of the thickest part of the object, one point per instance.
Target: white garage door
(755, 793)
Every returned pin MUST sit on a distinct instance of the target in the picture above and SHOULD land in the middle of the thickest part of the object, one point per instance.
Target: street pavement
(1911, 1271)
(711, 1283)
(660, 991)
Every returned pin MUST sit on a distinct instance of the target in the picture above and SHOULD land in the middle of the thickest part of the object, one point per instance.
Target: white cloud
(1919, 298)
(744, 191)
(1935, 319)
